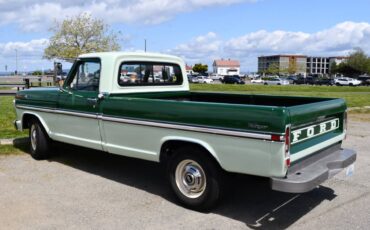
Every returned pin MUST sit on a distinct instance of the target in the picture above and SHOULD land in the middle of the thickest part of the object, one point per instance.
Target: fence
(22, 82)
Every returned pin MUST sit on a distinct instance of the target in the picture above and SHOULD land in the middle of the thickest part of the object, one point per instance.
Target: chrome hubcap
(33, 137)
(190, 178)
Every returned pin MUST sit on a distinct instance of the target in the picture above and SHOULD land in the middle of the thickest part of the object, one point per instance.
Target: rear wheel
(39, 141)
(195, 178)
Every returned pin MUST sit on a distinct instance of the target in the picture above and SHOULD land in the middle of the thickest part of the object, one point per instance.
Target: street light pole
(145, 45)
(16, 62)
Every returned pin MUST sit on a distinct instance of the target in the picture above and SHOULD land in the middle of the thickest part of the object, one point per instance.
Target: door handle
(92, 101)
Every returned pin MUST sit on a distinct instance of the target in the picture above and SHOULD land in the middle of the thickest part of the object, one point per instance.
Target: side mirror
(62, 90)
(101, 96)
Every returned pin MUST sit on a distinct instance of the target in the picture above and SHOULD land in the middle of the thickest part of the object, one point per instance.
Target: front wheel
(39, 141)
(195, 178)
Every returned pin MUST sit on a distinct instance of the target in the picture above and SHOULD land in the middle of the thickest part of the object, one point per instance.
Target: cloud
(36, 15)
(337, 40)
(340, 38)
(30, 48)
(200, 47)
(29, 54)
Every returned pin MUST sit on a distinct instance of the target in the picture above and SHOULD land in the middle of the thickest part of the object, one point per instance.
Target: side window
(148, 73)
(86, 76)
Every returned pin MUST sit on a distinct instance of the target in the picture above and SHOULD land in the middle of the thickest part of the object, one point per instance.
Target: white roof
(141, 55)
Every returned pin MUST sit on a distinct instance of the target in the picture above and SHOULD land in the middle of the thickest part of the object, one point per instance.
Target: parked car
(234, 79)
(193, 79)
(304, 80)
(257, 81)
(347, 82)
(204, 80)
(324, 81)
(275, 81)
(198, 137)
(217, 77)
(291, 79)
(365, 80)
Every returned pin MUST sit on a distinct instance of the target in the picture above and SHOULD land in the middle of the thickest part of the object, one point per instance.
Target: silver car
(275, 81)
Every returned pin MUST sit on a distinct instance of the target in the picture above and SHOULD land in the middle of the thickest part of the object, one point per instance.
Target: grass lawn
(11, 150)
(7, 116)
(354, 96)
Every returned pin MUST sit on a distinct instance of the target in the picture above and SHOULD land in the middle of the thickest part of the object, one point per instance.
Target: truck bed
(241, 112)
(263, 100)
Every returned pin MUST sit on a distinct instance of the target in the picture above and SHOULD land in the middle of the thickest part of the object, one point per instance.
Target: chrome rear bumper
(314, 170)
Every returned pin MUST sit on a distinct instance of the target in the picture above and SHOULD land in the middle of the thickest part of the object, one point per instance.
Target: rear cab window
(149, 73)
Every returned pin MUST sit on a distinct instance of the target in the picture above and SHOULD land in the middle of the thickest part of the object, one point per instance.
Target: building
(189, 70)
(298, 64)
(226, 67)
(322, 65)
(318, 65)
(283, 64)
(338, 59)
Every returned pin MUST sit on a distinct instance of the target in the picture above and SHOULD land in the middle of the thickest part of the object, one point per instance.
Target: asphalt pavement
(84, 189)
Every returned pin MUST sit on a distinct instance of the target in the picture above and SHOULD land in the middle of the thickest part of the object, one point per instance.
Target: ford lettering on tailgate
(314, 130)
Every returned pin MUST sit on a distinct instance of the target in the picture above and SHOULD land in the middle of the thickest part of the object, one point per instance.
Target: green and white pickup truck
(139, 105)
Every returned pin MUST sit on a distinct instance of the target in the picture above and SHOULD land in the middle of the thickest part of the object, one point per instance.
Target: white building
(322, 65)
(189, 70)
(318, 65)
(226, 67)
(338, 59)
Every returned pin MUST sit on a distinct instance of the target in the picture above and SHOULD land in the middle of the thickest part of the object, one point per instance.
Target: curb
(12, 141)
(358, 108)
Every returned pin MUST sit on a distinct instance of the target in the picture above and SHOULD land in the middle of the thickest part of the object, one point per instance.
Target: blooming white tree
(78, 35)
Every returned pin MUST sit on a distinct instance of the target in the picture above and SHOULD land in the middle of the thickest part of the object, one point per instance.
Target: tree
(333, 68)
(358, 61)
(200, 68)
(346, 69)
(78, 35)
(37, 73)
(273, 69)
(292, 68)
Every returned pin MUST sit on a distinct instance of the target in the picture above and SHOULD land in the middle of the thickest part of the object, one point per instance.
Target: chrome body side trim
(154, 124)
(189, 128)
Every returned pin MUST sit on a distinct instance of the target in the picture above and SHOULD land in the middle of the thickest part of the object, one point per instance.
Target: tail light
(345, 124)
(286, 140)
(287, 146)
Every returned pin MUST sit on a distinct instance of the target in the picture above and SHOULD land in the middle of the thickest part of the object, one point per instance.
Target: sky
(199, 31)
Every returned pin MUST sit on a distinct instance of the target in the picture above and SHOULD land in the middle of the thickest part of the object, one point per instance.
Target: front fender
(34, 114)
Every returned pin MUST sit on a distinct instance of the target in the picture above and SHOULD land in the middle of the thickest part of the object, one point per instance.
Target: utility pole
(16, 62)
(145, 45)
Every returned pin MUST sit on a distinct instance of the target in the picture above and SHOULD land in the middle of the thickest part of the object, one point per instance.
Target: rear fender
(204, 144)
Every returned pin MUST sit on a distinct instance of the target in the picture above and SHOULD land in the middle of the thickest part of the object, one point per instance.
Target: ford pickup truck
(139, 105)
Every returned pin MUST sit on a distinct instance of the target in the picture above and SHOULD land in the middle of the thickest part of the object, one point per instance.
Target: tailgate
(315, 126)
